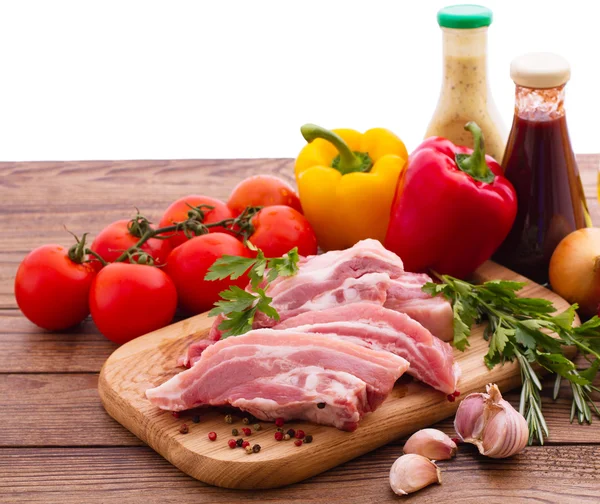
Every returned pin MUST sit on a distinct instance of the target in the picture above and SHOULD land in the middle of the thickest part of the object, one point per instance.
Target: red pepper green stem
(347, 161)
(474, 164)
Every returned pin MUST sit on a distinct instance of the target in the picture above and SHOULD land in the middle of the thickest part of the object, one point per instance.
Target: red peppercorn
(247, 431)
(176, 414)
(184, 429)
(279, 436)
(212, 436)
(298, 442)
(299, 434)
(451, 397)
(245, 443)
(456, 393)
(232, 443)
(279, 422)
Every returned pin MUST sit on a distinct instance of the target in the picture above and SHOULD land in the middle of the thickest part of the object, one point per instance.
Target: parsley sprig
(240, 306)
(529, 330)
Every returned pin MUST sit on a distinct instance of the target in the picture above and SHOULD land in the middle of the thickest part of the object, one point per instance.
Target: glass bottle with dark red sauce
(540, 163)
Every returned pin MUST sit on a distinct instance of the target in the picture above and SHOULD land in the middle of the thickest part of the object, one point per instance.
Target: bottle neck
(465, 59)
(540, 104)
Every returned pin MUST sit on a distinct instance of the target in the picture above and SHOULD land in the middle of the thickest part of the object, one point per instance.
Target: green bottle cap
(464, 16)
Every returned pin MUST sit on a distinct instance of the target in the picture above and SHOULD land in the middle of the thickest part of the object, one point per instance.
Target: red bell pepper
(452, 208)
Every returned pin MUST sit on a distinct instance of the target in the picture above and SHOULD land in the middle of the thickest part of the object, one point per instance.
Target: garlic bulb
(492, 424)
(412, 472)
(431, 443)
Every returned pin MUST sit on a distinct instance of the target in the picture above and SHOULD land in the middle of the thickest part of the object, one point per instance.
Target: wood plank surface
(36, 199)
(543, 475)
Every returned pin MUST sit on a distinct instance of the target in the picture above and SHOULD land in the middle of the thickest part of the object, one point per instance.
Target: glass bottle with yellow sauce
(465, 94)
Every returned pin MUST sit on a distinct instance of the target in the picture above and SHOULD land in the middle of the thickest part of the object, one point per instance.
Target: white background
(223, 79)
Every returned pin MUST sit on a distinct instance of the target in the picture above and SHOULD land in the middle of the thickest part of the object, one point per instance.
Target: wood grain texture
(541, 475)
(151, 359)
(36, 199)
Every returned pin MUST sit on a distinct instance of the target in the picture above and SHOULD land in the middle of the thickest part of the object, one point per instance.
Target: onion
(575, 269)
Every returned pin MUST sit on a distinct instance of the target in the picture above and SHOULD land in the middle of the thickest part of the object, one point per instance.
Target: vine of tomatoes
(133, 276)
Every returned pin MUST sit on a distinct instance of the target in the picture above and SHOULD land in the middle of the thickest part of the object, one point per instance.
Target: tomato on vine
(52, 286)
(121, 235)
(262, 191)
(189, 263)
(213, 210)
(128, 300)
(278, 229)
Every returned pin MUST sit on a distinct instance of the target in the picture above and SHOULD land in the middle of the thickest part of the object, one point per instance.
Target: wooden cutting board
(151, 359)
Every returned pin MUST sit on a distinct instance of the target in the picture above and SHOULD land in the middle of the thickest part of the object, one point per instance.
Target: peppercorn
(196, 419)
(257, 426)
(176, 414)
(287, 437)
(234, 432)
(184, 429)
(298, 442)
(279, 436)
(212, 436)
(232, 443)
(245, 443)
(291, 432)
(245, 420)
(279, 422)
(239, 442)
(247, 431)
(248, 450)
(228, 419)
(256, 448)
(280, 430)
(300, 434)
(321, 405)
(308, 438)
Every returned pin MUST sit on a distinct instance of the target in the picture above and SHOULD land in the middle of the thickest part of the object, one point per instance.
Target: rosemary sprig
(529, 330)
(240, 306)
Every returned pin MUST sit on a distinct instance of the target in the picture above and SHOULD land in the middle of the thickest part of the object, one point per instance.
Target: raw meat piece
(365, 272)
(431, 360)
(286, 374)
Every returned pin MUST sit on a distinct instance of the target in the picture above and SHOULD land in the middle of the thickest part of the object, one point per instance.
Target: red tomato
(51, 290)
(128, 300)
(262, 190)
(115, 238)
(178, 211)
(278, 229)
(188, 264)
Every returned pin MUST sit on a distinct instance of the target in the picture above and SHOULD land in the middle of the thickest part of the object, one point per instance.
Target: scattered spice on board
(184, 429)
(212, 436)
(246, 431)
(279, 436)
(196, 419)
(257, 427)
(245, 420)
(234, 432)
(298, 442)
(256, 448)
(239, 442)
(279, 422)
(228, 419)
(232, 443)
(248, 450)
(308, 438)
(300, 434)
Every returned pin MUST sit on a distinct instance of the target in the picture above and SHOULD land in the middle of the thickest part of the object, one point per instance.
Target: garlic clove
(431, 443)
(412, 472)
(492, 424)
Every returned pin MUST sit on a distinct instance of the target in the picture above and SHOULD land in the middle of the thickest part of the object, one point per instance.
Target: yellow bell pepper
(347, 181)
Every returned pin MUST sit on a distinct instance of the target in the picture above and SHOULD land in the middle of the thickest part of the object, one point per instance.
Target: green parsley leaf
(229, 266)
(566, 318)
(236, 323)
(287, 265)
(233, 299)
(462, 322)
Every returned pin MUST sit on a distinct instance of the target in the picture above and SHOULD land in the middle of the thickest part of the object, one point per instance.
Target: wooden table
(58, 445)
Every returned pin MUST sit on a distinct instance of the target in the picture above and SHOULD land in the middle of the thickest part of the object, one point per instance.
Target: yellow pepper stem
(347, 161)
